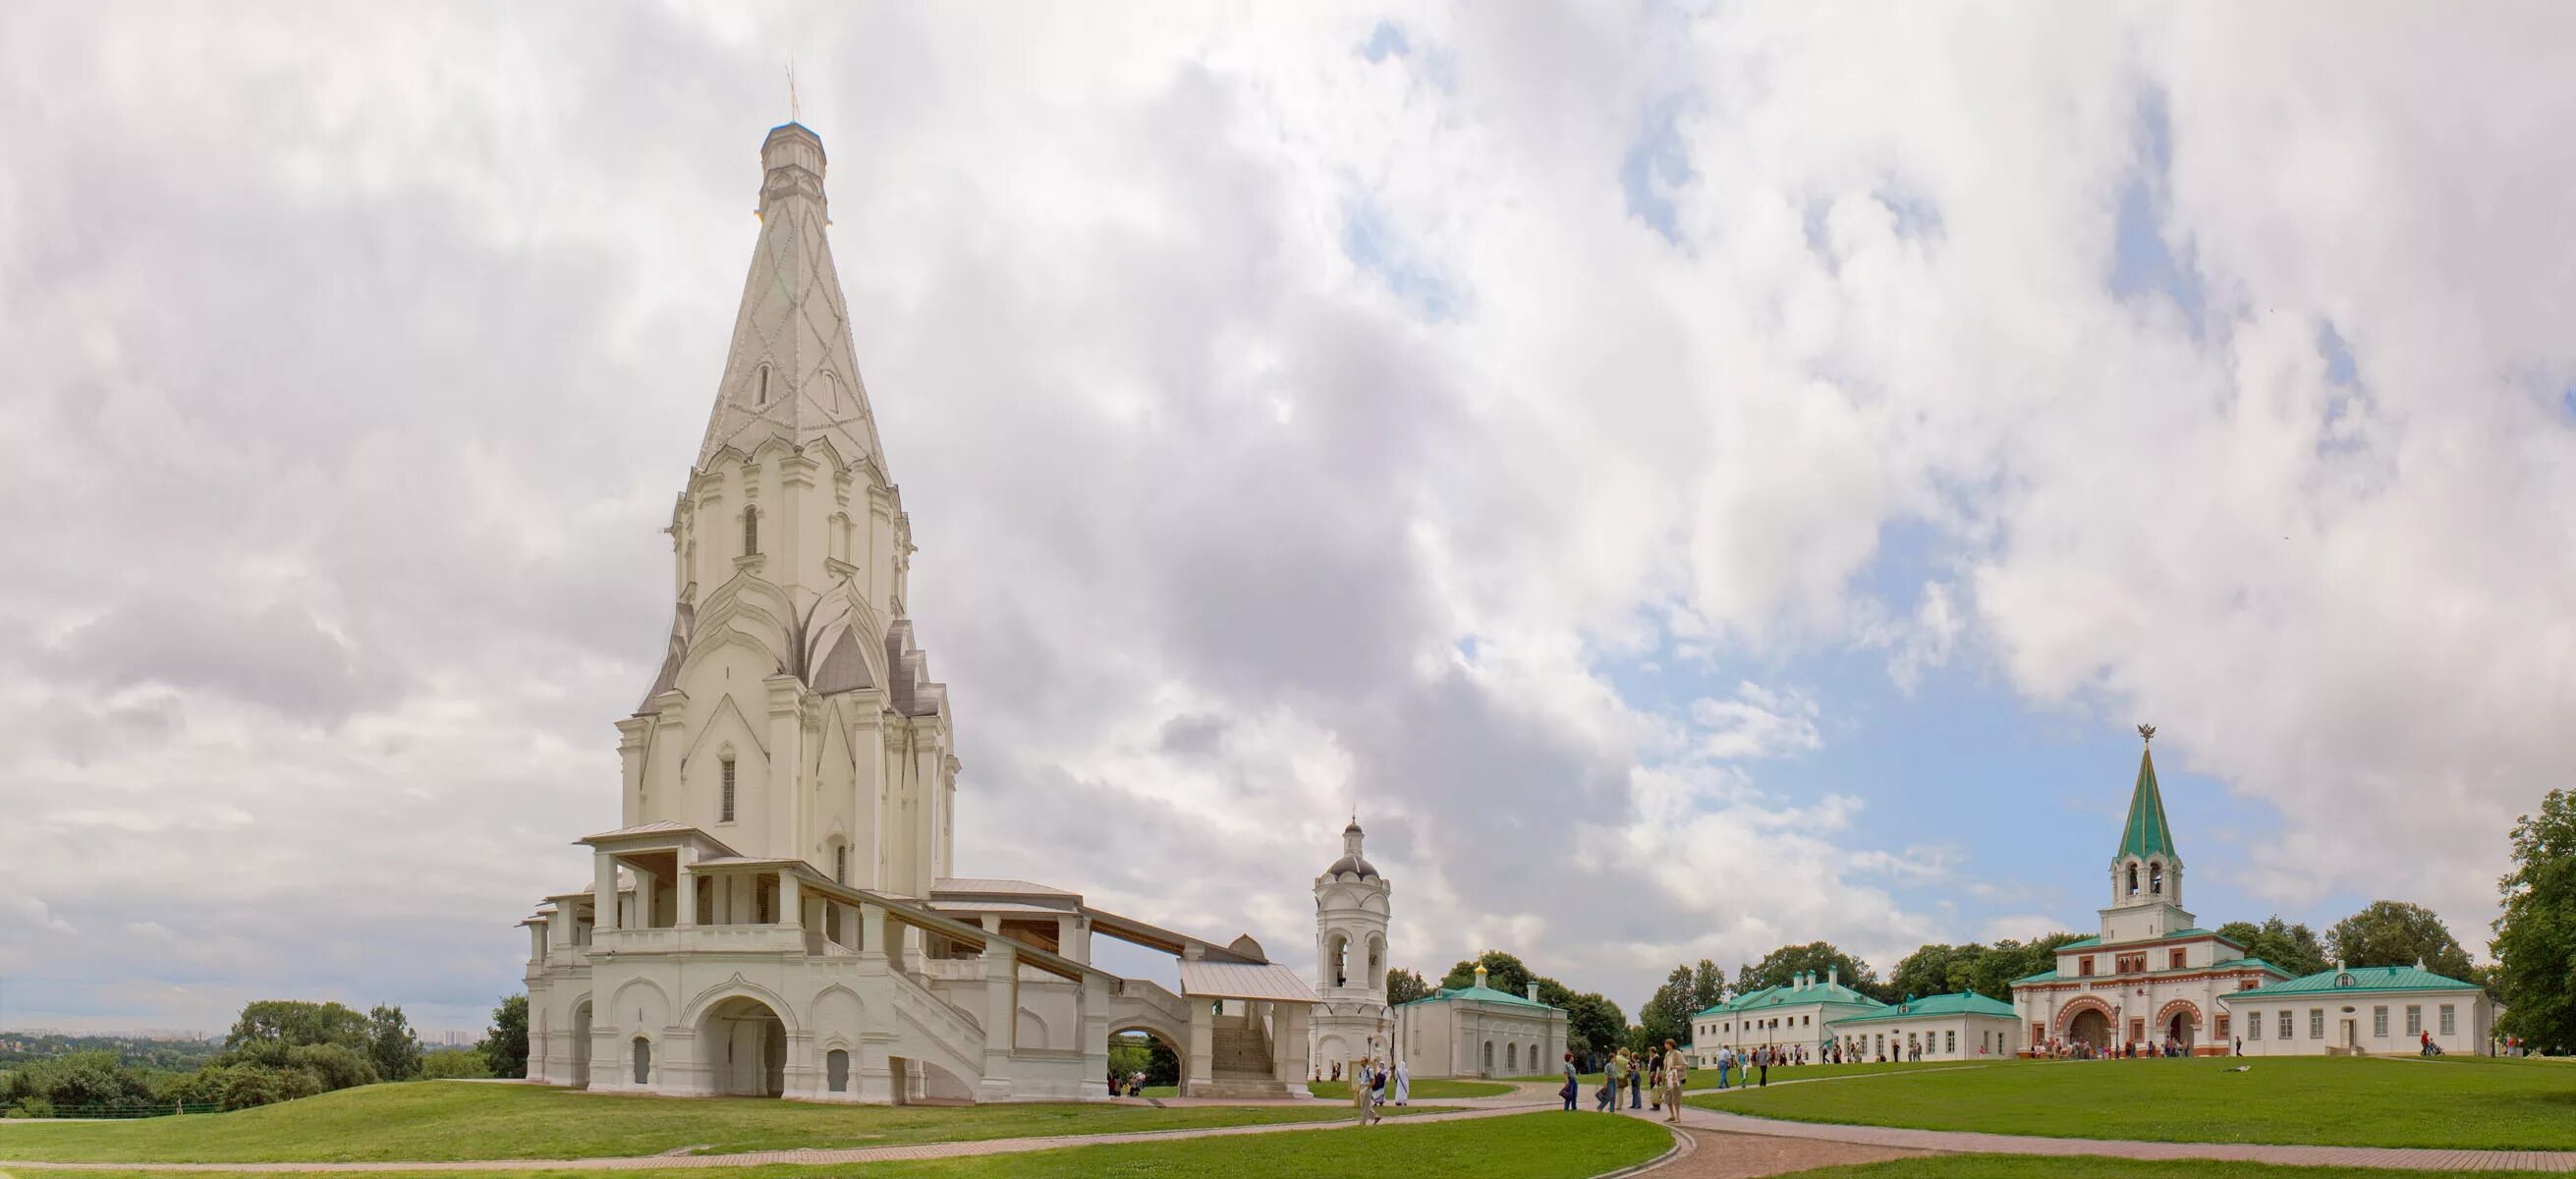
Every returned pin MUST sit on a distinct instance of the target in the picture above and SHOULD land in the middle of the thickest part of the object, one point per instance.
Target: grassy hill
(431, 1121)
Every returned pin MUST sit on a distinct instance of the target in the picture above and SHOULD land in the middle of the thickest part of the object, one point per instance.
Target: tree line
(2534, 973)
(277, 1050)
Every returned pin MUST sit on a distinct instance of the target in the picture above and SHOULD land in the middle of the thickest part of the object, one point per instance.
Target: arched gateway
(745, 1045)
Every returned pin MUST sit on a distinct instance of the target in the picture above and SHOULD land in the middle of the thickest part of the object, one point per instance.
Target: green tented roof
(2364, 979)
(1477, 995)
(1961, 1004)
(2147, 833)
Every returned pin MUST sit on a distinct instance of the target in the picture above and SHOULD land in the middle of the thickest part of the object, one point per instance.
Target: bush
(453, 1064)
(334, 1066)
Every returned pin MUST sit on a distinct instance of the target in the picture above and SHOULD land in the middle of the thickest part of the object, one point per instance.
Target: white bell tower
(1352, 1020)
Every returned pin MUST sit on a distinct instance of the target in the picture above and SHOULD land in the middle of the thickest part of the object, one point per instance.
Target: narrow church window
(724, 803)
(751, 532)
(643, 1061)
(764, 386)
(840, 864)
(2133, 872)
(2156, 879)
(836, 1070)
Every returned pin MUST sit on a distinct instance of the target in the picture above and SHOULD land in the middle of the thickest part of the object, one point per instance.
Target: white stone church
(777, 912)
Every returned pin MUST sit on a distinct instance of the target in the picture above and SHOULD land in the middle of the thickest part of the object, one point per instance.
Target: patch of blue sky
(1373, 243)
(2028, 796)
(1385, 41)
(2144, 263)
(1657, 165)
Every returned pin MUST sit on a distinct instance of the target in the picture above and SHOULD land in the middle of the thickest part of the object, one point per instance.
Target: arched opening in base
(1134, 1050)
(2090, 1027)
(746, 1048)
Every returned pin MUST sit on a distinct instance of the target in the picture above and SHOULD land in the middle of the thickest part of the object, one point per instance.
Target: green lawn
(1525, 1146)
(430, 1121)
(2010, 1166)
(2459, 1103)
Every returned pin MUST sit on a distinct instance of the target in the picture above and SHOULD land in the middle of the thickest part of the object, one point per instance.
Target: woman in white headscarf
(1403, 1083)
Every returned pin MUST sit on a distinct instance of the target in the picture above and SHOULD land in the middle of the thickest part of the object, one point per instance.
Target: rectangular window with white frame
(2316, 1023)
(2414, 1020)
(2379, 1022)
(2288, 1028)
(2450, 1021)
(2254, 1025)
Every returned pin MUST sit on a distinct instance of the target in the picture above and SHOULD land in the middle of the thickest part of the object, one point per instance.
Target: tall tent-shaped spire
(791, 373)
(2147, 833)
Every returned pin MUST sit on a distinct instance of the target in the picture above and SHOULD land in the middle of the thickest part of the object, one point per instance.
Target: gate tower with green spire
(2146, 873)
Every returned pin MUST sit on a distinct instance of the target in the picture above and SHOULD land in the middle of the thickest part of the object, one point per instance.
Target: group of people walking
(1373, 1083)
(1666, 1069)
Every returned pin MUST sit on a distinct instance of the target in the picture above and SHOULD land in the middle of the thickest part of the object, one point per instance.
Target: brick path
(1960, 1142)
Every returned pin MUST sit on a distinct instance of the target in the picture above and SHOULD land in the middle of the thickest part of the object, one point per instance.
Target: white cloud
(355, 356)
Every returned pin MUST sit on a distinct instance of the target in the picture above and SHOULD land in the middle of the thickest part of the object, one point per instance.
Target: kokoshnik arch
(776, 912)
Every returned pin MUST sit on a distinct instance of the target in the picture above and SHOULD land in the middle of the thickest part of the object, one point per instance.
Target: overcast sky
(1692, 477)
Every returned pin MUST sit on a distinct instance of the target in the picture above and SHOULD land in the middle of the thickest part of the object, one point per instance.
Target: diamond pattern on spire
(793, 320)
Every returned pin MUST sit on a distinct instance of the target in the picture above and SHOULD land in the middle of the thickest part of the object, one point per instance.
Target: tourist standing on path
(1762, 1056)
(1725, 1065)
(1613, 1076)
(1676, 1071)
(1360, 1089)
(1377, 1095)
(1572, 1086)
(1637, 1084)
(1403, 1083)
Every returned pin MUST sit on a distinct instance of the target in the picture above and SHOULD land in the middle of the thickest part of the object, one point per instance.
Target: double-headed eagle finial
(2147, 732)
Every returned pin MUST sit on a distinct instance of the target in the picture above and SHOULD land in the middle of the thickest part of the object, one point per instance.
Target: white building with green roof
(1942, 1027)
(2152, 975)
(1792, 1016)
(2363, 1010)
(1478, 1031)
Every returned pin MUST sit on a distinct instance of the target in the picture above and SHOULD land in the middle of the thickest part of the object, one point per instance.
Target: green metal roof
(2085, 944)
(1969, 1003)
(1769, 997)
(2364, 979)
(2147, 833)
(1477, 995)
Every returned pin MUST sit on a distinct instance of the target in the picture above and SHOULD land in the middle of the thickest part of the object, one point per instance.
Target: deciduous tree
(2293, 948)
(2394, 933)
(2535, 940)
(391, 1044)
(1778, 967)
(1405, 986)
(505, 1046)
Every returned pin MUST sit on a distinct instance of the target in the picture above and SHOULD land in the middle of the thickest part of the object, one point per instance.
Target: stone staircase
(1239, 1063)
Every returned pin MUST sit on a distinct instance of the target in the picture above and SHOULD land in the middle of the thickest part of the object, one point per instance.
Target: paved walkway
(1961, 1142)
